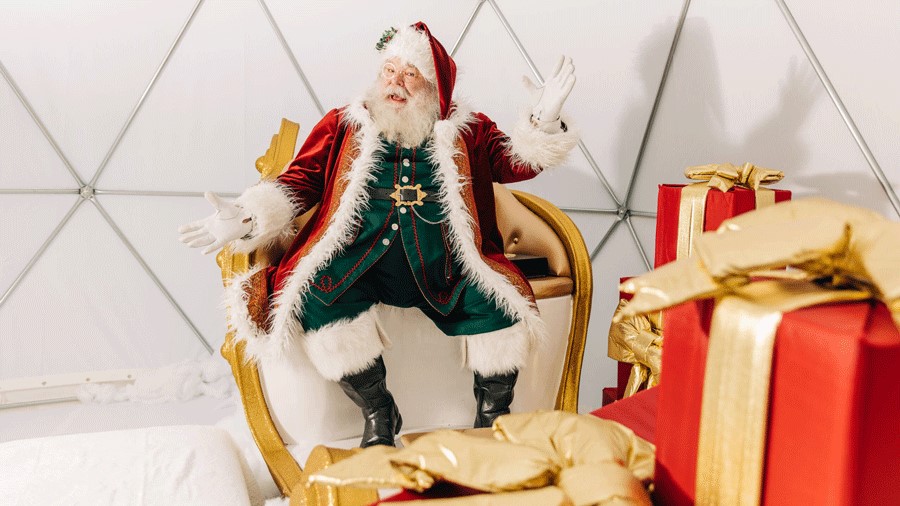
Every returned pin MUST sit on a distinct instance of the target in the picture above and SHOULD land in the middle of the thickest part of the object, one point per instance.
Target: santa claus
(403, 178)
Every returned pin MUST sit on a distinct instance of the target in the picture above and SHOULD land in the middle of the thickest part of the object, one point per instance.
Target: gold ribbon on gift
(735, 403)
(637, 340)
(541, 458)
(850, 253)
(723, 177)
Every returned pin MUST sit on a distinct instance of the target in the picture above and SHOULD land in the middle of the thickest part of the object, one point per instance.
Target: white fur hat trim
(413, 47)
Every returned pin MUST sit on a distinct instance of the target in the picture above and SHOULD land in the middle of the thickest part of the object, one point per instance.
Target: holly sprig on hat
(385, 38)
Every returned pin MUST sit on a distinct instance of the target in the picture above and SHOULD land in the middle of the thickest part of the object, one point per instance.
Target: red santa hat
(415, 45)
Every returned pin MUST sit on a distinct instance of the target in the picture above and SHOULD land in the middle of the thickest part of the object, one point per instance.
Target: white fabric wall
(740, 89)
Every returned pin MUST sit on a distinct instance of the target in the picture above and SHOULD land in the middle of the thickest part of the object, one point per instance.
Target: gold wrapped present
(637, 340)
(548, 454)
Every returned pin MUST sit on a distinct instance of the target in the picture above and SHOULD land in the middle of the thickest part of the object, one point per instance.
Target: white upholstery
(166, 466)
(424, 374)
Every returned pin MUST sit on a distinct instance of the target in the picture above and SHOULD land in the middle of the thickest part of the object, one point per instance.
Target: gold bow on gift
(831, 244)
(721, 176)
(542, 458)
(637, 340)
(724, 176)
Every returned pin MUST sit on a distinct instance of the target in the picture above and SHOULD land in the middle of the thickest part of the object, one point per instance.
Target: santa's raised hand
(228, 223)
(549, 98)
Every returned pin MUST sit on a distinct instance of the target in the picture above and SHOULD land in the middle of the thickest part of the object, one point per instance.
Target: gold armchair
(269, 391)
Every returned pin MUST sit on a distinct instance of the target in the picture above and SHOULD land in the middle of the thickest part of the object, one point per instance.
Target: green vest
(422, 229)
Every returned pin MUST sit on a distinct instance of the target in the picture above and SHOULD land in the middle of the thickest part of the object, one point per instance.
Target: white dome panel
(619, 50)
(732, 100)
(193, 279)
(335, 41)
(28, 221)
(572, 184)
(88, 305)
(83, 64)
(859, 69)
(490, 81)
(619, 257)
(29, 161)
(203, 130)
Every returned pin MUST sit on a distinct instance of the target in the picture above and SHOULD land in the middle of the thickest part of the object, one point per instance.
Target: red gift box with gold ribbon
(780, 386)
(686, 211)
(833, 430)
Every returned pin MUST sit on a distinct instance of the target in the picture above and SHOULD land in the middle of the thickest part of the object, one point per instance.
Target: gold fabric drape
(637, 340)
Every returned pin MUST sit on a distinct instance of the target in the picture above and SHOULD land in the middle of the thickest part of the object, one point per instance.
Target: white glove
(228, 223)
(549, 98)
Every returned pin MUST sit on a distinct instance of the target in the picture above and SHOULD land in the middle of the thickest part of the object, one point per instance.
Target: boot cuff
(499, 352)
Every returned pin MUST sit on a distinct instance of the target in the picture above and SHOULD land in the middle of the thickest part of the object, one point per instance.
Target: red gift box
(719, 207)
(834, 411)
(637, 412)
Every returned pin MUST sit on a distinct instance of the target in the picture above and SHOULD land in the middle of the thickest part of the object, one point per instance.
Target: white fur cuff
(497, 352)
(273, 211)
(538, 149)
(344, 347)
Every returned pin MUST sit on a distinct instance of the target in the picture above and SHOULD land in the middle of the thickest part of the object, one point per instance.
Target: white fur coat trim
(345, 346)
(259, 343)
(285, 330)
(273, 212)
(499, 352)
(337, 233)
(462, 233)
(538, 149)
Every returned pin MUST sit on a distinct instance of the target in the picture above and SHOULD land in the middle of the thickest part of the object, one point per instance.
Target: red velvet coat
(332, 169)
(311, 179)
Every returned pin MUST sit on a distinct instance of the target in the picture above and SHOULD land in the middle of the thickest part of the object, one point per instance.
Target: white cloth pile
(187, 465)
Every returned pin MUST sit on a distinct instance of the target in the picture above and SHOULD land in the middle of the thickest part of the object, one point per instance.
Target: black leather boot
(493, 395)
(368, 390)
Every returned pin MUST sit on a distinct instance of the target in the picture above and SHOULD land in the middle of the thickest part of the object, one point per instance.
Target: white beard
(411, 125)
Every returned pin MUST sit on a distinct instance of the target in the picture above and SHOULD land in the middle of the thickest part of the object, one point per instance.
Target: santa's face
(403, 104)
(401, 83)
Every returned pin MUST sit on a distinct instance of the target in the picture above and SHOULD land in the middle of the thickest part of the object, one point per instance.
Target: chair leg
(368, 390)
(493, 395)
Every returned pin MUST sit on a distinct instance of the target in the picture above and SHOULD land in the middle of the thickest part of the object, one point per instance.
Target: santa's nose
(397, 80)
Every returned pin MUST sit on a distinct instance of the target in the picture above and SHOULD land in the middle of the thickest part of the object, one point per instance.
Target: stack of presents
(759, 364)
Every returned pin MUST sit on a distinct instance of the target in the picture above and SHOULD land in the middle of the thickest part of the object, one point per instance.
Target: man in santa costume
(406, 218)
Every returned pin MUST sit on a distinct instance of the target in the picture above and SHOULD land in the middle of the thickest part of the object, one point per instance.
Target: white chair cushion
(425, 375)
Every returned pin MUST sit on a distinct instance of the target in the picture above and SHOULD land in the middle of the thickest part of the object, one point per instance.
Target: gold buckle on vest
(398, 199)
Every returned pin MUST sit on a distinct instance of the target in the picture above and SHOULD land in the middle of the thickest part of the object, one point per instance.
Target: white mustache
(396, 90)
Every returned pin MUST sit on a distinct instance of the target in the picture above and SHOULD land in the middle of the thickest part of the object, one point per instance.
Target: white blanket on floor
(188, 465)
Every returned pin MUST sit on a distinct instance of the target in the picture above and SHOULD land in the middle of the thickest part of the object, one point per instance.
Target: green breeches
(391, 281)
